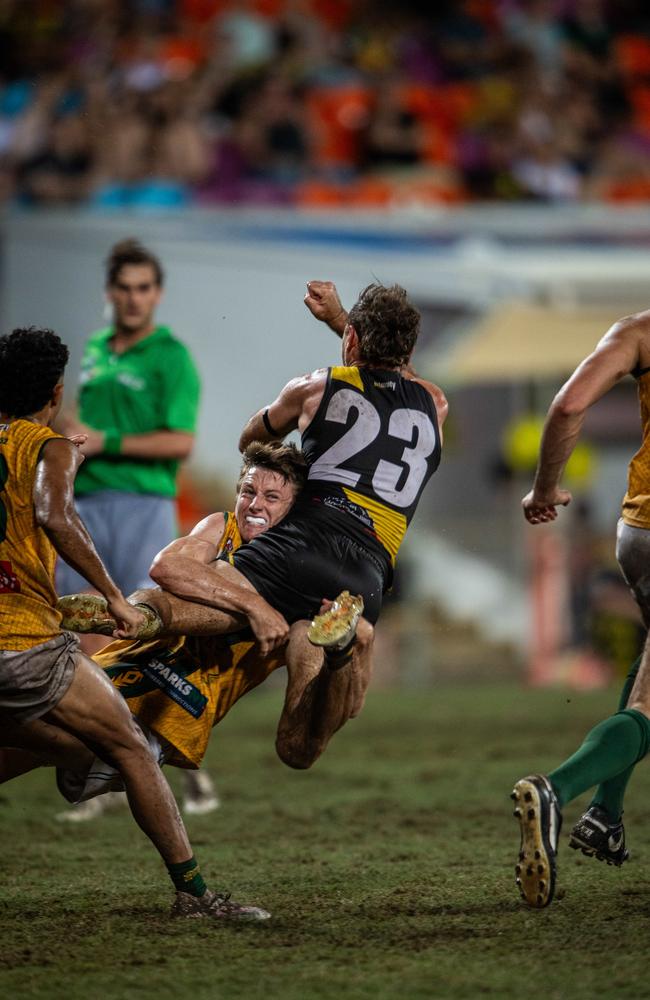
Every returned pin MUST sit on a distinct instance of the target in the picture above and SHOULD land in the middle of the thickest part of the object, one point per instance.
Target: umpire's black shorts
(304, 559)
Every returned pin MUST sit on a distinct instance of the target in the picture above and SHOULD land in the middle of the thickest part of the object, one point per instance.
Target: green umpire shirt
(152, 386)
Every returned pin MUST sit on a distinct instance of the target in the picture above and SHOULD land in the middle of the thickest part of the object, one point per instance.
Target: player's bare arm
(55, 513)
(160, 444)
(293, 409)
(439, 399)
(323, 302)
(187, 569)
(622, 348)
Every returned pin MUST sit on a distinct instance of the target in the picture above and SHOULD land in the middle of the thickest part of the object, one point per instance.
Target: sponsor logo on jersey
(339, 502)
(176, 687)
(134, 680)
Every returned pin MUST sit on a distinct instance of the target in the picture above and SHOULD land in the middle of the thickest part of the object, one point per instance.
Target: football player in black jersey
(371, 431)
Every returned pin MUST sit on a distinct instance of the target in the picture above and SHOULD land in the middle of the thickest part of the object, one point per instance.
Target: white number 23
(402, 423)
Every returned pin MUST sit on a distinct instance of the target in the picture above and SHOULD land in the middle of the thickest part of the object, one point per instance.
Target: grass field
(388, 869)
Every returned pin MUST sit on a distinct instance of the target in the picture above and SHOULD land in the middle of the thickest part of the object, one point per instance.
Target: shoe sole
(336, 627)
(535, 871)
(86, 614)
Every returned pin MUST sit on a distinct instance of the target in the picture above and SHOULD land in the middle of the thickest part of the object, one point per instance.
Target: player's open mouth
(257, 521)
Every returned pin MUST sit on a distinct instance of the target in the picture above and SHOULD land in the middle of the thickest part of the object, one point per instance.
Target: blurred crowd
(117, 103)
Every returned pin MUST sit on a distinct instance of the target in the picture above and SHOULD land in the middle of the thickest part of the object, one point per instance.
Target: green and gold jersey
(183, 686)
(636, 503)
(28, 615)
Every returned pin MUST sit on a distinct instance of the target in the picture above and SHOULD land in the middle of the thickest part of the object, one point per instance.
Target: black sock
(335, 659)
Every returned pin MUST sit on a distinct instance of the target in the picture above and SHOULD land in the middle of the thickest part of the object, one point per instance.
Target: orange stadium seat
(633, 55)
(319, 194)
(629, 190)
(640, 100)
(337, 116)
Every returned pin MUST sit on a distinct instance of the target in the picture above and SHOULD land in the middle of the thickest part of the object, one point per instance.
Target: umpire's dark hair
(285, 459)
(32, 362)
(386, 324)
(131, 251)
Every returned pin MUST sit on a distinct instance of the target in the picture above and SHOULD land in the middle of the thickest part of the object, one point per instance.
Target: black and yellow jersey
(372, 446)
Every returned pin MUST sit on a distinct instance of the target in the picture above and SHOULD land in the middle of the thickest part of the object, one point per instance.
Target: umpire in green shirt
(137, 404)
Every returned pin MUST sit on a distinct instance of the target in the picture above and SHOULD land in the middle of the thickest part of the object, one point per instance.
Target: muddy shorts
(633, 555)
(33, 681)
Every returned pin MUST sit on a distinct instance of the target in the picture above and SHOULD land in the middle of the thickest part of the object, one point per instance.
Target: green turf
(388, 869)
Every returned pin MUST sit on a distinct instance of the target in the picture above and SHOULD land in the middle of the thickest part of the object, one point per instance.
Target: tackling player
(48, 687)
(180, 687)
(371, 432)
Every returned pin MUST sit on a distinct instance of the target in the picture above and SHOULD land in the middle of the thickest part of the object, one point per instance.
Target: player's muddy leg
(93, 710)
(361, 665)
(16, 762)
(180, 617)
(44, 745)
(165, 614)
(640, 694)
(319, 699)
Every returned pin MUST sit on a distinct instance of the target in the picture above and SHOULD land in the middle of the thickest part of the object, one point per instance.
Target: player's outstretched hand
(323, 302)
(77, 439)
(129, 619)
(539, 510)
(269, 626)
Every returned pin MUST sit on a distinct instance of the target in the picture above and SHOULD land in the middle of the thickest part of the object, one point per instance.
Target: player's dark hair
(285, 459)
(386, 324)
(32, 362)
(131, 251)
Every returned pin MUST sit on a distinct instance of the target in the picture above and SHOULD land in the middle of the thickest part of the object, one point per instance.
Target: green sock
(187, 877)
(611, 747)
(610, 794)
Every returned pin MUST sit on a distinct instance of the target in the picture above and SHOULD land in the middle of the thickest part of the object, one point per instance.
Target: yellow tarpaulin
(523, 341)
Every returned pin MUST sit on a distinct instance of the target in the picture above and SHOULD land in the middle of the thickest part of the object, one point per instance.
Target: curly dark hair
(386, 324)
(131, 251)
(32, 362)
(285, 459)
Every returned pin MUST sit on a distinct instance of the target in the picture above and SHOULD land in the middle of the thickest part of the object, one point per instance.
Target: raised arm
(56, 514)
(187, 569)
(616, 355)
(323, 302)
(292, 410)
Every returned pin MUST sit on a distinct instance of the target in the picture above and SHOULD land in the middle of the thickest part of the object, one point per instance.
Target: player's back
(372, 446)
(27, 557)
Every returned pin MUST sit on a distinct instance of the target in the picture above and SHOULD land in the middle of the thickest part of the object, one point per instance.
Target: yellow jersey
(636, 503)
(28, 615)
(182, 686)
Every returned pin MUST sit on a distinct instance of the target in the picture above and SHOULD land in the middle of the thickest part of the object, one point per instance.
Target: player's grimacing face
(134, 296)
(264, 498)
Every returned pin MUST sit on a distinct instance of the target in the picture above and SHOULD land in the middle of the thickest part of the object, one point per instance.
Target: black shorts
(302, 560)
